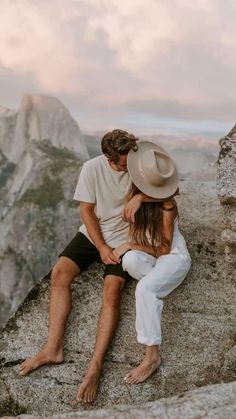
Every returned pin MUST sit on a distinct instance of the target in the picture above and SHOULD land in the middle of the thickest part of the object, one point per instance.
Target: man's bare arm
(134, 204)
(93, 227)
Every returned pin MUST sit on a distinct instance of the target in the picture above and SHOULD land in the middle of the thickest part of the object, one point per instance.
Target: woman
(156, 254)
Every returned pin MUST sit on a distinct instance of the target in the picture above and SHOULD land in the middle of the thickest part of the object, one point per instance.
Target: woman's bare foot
(43, 357)
(88, 388)
(143, 371)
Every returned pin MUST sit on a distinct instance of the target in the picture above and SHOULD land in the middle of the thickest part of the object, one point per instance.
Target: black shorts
(83, 253)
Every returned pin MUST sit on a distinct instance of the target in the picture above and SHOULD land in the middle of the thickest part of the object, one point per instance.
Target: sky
(153, 66)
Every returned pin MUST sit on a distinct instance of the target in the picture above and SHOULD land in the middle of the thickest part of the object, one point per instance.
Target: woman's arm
(169, 214)
(125, 247)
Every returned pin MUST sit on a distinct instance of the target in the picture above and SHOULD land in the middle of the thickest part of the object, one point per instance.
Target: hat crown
(156, 167)
(152, 170)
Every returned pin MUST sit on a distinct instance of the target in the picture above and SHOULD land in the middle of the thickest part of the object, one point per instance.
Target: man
(102, 186)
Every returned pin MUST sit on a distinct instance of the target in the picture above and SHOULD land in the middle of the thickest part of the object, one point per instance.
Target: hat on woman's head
(152, 170)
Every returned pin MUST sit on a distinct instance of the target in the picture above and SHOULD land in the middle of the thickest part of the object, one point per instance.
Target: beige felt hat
(152, 170)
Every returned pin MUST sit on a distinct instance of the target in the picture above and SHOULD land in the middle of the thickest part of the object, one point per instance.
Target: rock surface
(212, 402)
(226, 187)
(198, 330)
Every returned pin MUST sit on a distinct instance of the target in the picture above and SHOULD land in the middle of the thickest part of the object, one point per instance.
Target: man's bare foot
(88, 388)
(143, 371)
(42, 358)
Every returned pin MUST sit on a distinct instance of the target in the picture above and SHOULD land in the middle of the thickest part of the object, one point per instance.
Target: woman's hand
(132, 207)
(120, 250)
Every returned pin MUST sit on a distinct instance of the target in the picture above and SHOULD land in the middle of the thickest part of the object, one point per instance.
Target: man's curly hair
(117, 143)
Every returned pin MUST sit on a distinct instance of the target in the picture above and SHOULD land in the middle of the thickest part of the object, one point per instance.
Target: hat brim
(158, 192)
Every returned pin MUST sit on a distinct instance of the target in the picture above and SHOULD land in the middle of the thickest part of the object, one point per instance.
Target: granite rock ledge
(198, 348)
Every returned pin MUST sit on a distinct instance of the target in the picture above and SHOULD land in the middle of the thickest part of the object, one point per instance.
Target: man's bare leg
(151, 362)
(108, 320)
(62, 277)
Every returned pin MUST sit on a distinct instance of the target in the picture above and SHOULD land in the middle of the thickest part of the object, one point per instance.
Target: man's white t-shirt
(100, 184)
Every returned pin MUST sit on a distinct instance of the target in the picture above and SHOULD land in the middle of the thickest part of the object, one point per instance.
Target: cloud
(33, 41)
(174, 58)
(174, 109)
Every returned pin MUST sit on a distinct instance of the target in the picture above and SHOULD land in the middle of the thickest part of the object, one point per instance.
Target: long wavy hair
(148, 224)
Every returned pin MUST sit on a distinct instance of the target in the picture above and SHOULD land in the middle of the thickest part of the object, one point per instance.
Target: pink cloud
(111, 52)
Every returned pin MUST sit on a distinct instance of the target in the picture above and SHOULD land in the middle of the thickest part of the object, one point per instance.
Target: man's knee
(60, 278)
(63, 273)
(112, 290)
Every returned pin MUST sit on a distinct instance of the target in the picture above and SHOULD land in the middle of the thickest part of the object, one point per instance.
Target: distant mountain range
(194, 156)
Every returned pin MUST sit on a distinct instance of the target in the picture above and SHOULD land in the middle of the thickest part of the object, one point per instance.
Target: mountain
(39, 117)
(41, 154)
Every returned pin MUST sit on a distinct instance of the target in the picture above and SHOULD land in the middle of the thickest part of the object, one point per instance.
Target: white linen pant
(157, 278)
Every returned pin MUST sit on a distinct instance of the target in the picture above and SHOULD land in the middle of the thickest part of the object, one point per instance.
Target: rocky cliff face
(226, 187)
(38, 175)
(39, 117)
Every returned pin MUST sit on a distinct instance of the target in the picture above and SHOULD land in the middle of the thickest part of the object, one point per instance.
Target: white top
(100, 184)
(178, 244)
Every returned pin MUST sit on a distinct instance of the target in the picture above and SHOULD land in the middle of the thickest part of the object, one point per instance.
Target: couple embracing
(130, 223)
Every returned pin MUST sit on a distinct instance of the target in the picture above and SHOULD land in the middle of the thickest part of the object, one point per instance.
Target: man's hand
(120, 250)
(131, 207)
(107, 255)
